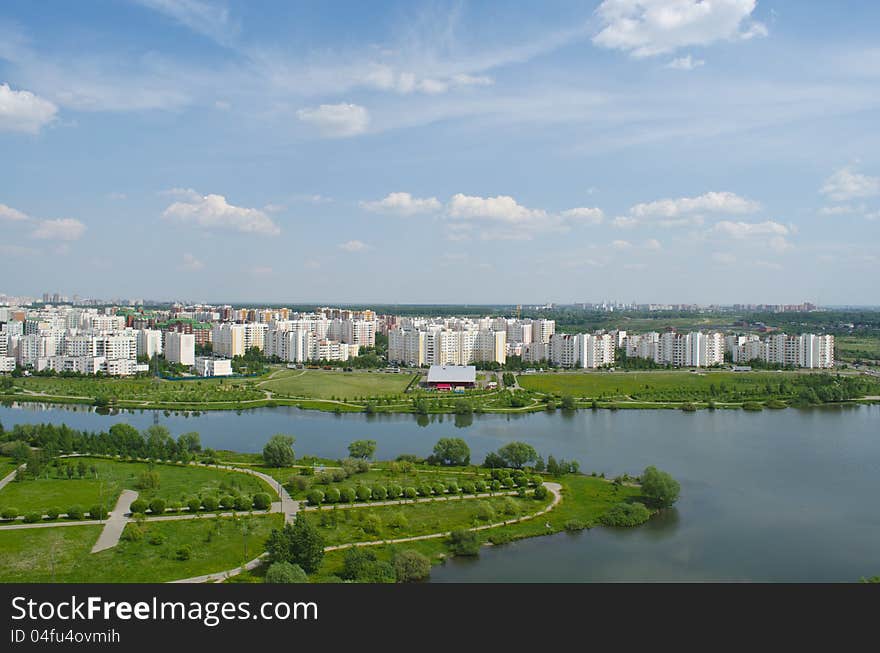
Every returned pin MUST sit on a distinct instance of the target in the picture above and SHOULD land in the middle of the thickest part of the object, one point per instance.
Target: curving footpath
(220, 576)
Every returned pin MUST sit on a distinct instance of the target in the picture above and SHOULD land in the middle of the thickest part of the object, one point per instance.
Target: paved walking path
(116, 522)
(6, 480)
(220, 576)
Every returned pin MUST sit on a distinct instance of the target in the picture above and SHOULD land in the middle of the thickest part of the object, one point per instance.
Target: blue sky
(638, 150)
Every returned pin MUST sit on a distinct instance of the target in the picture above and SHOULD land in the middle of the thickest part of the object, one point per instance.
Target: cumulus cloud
(22, 111)
(501, 208)
(846, 184)
(354, 246)
(191, 263)
(743, 230)
(11, 214)
(712, 202)
(336, 120)
(402, 204)
(214, 212)
(685, 63)
(646, 28)
(59, 229)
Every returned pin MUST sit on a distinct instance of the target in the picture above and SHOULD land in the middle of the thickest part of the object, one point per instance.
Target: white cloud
(845, 184)
(402, 204)
(743, 230)
(624, 222)
(11, 214)
(768, 265)
(844, 209)
(621, 244)
(214, 212)
(685, 63)
(336, 120)
(712, 202)
(501, 208)
(203, 18)
(22, 111)
(191, 263)
(653, 243)
(646, 28)
(59, 229)
(584, 214)
(472, 80)
(354, 246)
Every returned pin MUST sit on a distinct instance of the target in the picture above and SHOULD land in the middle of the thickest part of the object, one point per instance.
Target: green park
(129, 506)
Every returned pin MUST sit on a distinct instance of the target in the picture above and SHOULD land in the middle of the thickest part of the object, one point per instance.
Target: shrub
(210, 503)
(227, 502)
(464, 543)
(452, 487)
(541, 492)
(147, 480)
(157, 506)
(438, 488)
(689, 408)
(468, 487)
(479, 486)
(53, 513)
(485, 511)
(508, 506)
(495, 485)
(285, 572)
(75, 512)
(360, 564)
(500, 537)
(660, 487)
(508, 483)
(537, 480)
(183, 553)
(573, 525)
(243, 502)
(397, 521)
(347, 495)
(411, 566)
(332, 495)
(379, 493)
(132, 533)
(32, 518)
(394, 491)
(363, 493)
(315, 497)
(139, 505)
(626, 514)
(194, 504)
(372, 524)
(300, 483)
(424, 490)
(9, 513)
(409, 492)
(157, 539)
(338, 475)
(98, 512)
(753, 406)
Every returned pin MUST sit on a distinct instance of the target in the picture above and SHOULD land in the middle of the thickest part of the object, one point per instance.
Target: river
(788, 495)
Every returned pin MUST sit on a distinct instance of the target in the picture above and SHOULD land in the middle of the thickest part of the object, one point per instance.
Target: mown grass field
(857, 348)
(657, 386)
(6, 465)
(345, 525)
(144, 389)
(176, 483)
(215, 544)
(323, 384)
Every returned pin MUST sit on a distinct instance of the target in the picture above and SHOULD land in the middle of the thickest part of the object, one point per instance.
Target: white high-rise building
(180, 348)
(228, 340)
(149, 342)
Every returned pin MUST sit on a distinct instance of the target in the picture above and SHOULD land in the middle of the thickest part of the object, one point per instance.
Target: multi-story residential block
(180, 348)
(228, 340)
(149, 342)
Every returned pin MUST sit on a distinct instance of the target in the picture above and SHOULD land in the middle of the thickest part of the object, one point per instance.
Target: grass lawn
(342, 385)
(6, 465)
(215, 544)
(857, 348)
(346, 525)
(145, 389)
(176, 483)
(660, 386)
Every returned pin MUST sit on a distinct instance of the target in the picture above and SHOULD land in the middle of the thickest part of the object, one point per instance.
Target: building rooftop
(452, 374)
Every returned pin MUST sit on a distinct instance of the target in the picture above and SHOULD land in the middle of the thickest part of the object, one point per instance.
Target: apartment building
(180, 348)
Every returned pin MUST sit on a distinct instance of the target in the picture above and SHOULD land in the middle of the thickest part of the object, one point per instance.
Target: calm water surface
(787, 495)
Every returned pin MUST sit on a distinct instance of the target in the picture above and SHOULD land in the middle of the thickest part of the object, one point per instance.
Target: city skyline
(662, 151)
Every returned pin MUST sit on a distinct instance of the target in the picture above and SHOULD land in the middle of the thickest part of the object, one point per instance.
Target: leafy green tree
(261, 501)
(139, 506)
(157, 506)
(464, 543)
(315, 497)
(210, 503)
(98, 512)
(362, 449)
(189, 442)
(411, 566)
(75, 512)
(364, 493)
(451, 451)
(568, 402)
(517, 454)
(347, 495)
(660, 487)
(285, 572)
(298, 543)
(278, 451)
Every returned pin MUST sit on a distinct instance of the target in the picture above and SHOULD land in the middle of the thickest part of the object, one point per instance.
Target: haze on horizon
(401, 152)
